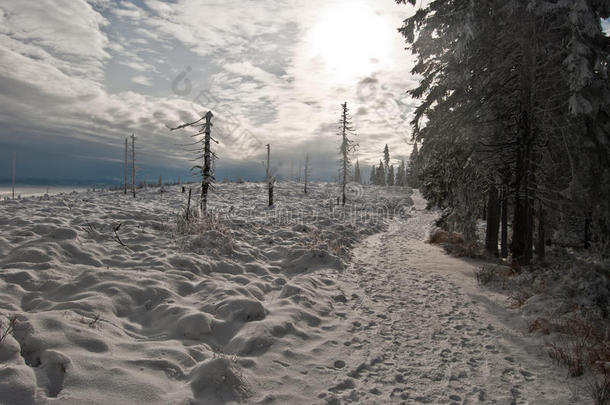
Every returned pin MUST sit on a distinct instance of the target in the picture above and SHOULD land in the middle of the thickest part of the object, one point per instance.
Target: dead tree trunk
(133, 165)
(270, 179)
(306, 173)
(14, 172)
(125, 167)
(207, 162)
(188, 207)
(493, 221)
(206, 170)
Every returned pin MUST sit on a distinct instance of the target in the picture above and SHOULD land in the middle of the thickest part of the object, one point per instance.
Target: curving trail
(421, 331)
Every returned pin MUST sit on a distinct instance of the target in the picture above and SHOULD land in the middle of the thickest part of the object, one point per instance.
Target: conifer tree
(413, 168)
(380, 175)
(373, 176)
(400, 174)
(386, 157)
(347, 147)
(391, 179)
(515, 95)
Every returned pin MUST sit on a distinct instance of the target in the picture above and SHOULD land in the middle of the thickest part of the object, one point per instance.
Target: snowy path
(422, 332)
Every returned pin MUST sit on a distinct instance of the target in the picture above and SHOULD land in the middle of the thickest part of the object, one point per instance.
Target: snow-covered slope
(236, 311)
(292, 305)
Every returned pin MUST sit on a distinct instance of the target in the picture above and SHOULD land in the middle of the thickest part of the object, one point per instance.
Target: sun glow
(350, 39)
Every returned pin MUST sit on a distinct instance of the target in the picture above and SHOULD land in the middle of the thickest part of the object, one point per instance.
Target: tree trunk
(188, 207)
(133, 165)
(504, 237)
(306, 173)
(270, 187)
(13, 173)
(207, 163)
(521, 245)
(343, 190)
(587, 241)
(125, 167)
(540, 245)
(493, 221)
(270, 181)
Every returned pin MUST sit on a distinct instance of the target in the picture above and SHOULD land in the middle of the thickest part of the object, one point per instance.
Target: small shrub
(570, 356)
(9, 329)
(439, 237)
(486, 274)
(455, 244)
(597, 386)
(541, 325)
(584, 347)
(517, 298)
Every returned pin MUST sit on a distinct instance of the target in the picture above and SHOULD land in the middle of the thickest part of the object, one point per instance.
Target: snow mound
(119, 302)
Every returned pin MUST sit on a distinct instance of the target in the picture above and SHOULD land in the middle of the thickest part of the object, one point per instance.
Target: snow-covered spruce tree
(380, 174)
(357, 175)
(500, 70)
(412, 176)
(391, 178)
(203, 151)
(400, 174)
(386, 158)
(347, 147)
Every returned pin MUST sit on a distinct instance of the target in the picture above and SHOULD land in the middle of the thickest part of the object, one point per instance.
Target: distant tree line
(386, 174)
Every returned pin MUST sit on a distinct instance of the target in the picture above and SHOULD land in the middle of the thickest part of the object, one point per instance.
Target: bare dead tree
(204, 152)
(188, 206)
(125, 167)
(270, 179)
(346, 129)
(14, 171)
(306, 173)
(133, 165)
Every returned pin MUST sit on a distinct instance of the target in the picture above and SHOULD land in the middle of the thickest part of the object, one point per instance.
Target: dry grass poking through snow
(7, 328)
(202, 234)
(569, 306)
(199, 312)
(454, 244)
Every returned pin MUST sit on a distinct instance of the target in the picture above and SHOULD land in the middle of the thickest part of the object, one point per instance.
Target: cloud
(142, 80)
(95, 71)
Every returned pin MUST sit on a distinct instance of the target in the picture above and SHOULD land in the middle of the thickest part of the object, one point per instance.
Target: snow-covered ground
(299, 304)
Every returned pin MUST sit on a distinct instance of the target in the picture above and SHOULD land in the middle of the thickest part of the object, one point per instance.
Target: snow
(294, 304)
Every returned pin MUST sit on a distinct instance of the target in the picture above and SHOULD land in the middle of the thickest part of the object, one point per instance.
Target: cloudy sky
(78, 76)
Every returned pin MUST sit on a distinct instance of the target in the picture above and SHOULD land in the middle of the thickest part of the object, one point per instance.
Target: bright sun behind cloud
(350, 39)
